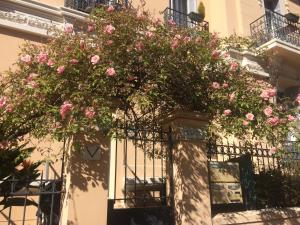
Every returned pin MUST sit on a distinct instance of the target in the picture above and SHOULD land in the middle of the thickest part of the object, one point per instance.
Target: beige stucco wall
(52, 2)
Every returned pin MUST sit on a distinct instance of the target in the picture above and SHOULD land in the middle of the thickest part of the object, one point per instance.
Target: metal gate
(141, 174)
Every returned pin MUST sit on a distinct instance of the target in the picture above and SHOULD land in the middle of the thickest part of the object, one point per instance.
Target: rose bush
(125, 61)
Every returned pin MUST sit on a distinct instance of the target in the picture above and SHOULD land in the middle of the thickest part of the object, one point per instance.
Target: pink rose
(178, 37)
(50, 63)
(32, 76)
(245, 122)
(174, 44)
(215, 85)
(268, 111)
(33, 84)
(109, 42)
(187, 39)
(110, 9)
(9, 108)
(109, 29)
(171, 22)
(65, 108)
(73, 61)
(273, 150)
(60, 69)
(3, 101)
(234, 66)
(225, 85)
(69, 28)
(149, 34)
(231, 97)
(42, 57)
(273, 121)
(264, 95)
(272, 92)
(227, 112)
(90, 112)
(95, 59)
(110, 72)
(90, 28)
(250, 116)
(139, 46)
(215, 54)
(26, 59)
(291, 118)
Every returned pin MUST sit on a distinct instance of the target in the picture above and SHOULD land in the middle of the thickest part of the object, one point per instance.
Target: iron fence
(273, 25)
(88, 5)
(30, 201)
(261, 179)
(183, 20)
(143, 188)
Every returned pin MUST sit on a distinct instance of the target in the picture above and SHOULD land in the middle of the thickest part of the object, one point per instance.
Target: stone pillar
(86, 176)
(190, 170)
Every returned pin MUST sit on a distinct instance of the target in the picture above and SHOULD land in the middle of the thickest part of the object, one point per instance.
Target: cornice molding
(36, 18)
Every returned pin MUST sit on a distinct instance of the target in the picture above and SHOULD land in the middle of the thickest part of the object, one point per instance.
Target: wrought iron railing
(183, 20)
(30, 201)
(266, 180)
(88, 5)
(273, 25)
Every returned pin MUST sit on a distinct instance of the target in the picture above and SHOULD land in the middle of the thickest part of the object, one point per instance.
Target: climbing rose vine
(125, 62)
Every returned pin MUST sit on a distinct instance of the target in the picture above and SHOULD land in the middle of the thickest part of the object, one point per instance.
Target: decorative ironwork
(266, 179)
(183, 20)
(143, 178)
(22, 200)
(273, 25)
(88, 5)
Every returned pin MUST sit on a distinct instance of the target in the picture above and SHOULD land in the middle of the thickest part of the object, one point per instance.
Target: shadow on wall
(191, 163)
(93, 171)
(287, 216)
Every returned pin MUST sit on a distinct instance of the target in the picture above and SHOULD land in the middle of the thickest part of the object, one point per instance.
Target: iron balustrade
(183, 20)
(22, 200)
(267, 180)
(88, 5)
(273, 25)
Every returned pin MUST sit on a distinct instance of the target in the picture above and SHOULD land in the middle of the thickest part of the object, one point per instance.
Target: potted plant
(292, 17)
(198, 17)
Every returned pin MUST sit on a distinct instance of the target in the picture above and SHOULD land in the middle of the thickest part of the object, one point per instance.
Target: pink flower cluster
(215, 85)
(60, 69)
(90, 112)
(65, 108)
(26, 59)
(110, 9)
(50, 63)
(268, 111)
(234, 66)
(109, 29)
(273, 121)
(3, 101)
(250, 116)
(110, 72)
(31, 80)
(95, 59)
(268, 93)
(42, 57)
(69, 28)
(215, 54)
(227, 112)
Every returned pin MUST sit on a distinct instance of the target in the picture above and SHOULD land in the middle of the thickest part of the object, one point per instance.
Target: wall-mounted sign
(191, 133)
(92, 152)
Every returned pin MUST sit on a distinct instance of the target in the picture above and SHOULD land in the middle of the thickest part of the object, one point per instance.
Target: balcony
(183, 20)
(278, 34)
(273, 25)
(88, 5)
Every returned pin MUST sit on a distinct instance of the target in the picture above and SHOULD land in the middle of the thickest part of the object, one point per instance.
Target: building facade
(122, 185)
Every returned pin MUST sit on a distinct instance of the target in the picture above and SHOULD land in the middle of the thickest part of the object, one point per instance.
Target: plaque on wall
(92, 152)
(191, 133)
